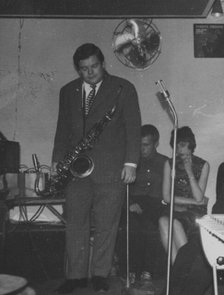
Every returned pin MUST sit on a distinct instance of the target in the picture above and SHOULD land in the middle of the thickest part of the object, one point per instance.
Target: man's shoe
(69, 285)
(146, 284)
(132, 278)
(100, 284)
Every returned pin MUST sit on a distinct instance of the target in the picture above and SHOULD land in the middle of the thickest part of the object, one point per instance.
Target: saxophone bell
(76, 163)
(82, 166)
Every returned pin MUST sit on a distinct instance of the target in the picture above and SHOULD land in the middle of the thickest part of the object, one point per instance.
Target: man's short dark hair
(184, 134)
(150, 130)
(85, 51)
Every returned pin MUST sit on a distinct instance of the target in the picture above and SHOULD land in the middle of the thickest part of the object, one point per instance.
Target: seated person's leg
(150, 216)
(179, 235)
(136, 250)
(164, 233)
(152, 247)
(150, 253)
(164, 230)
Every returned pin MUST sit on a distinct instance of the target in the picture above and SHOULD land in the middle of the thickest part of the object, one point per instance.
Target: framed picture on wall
(209, 40)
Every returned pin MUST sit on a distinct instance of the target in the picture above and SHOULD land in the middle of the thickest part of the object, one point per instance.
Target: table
(23, 202)
(38, 201)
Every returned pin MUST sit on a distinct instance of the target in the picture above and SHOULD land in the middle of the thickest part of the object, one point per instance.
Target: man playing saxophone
(99, 195)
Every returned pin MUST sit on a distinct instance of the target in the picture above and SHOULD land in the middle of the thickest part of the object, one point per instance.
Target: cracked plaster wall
(36, 60)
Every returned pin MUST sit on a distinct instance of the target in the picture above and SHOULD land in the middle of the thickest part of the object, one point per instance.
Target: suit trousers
(88, 205)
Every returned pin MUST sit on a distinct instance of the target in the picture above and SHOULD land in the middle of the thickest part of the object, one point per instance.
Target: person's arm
(135, 207)
(198, 188)
(190, 201)
(166, 189)
(132, 120)
(128, 173)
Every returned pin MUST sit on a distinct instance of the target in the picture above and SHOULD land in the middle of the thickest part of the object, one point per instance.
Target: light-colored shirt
(87, 88)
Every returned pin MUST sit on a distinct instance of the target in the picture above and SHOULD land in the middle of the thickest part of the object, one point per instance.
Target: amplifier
(9, 156)
(22, 184)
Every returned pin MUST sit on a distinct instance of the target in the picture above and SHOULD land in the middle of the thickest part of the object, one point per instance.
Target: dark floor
(37, 255)
(117, 287)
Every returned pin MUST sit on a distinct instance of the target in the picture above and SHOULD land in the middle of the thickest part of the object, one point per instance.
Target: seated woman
(191, 272)
(191, 175)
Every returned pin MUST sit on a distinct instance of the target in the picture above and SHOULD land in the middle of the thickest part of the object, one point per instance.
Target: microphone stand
(166, 95)
(37, 170)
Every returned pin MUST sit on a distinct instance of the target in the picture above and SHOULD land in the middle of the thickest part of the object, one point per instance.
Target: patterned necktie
(90, 98)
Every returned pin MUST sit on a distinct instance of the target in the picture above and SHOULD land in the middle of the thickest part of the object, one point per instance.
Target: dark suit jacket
(120, 140)
(218, 207)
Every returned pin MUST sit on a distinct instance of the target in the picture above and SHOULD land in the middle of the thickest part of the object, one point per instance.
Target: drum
(9, 284)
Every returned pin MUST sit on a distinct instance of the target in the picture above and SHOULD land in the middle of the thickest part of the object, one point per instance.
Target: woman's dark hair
(150, 130)
(184, 134)
(85, 51)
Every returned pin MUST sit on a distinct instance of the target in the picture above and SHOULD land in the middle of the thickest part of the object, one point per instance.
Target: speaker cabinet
(35, 255)
(9, 156)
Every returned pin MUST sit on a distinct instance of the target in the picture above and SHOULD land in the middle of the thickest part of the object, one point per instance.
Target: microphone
(163, 91)
(36, 163)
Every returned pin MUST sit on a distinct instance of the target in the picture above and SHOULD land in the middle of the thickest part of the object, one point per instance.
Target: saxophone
(75, 163)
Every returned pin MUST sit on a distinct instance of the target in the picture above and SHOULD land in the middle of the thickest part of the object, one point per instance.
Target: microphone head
(163, 91)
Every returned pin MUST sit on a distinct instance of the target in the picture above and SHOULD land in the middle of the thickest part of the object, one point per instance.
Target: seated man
(145, 206)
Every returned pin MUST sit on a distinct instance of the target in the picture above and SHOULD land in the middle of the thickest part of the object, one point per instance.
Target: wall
(36, 60)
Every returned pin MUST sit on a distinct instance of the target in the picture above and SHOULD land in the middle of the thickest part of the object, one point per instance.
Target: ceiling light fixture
(217, 8)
